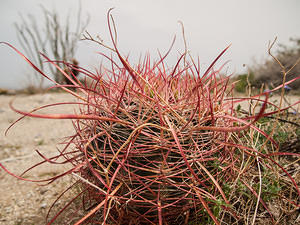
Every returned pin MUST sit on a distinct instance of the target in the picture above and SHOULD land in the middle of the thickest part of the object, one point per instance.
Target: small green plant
(242, 83)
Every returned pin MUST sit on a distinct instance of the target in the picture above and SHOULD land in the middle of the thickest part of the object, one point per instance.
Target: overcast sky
(147, 25)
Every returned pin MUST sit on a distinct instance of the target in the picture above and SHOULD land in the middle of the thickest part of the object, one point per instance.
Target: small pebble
(43, 205)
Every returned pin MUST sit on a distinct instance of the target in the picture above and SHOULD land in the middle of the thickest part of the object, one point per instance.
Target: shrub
(242, 83)
(270, 72)
(159, 145)
(53, 37)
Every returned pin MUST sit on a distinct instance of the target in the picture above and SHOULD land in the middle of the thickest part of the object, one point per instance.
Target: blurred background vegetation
(56, 38)
(269, 74)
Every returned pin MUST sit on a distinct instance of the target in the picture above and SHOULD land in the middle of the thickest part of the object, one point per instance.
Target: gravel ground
(24, 202)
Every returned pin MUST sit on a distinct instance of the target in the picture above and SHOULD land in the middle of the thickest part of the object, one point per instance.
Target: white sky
(147, 25)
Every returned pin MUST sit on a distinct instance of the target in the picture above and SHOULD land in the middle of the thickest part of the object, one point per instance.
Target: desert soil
(23, 202)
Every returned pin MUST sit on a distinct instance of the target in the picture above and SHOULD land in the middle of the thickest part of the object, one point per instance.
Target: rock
(43, 205)
(43, 191)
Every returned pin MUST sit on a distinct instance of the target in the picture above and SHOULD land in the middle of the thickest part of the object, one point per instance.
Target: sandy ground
(23, 202)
